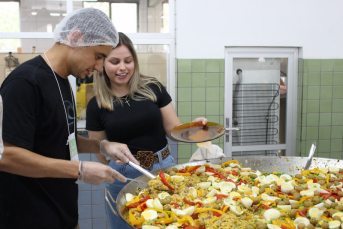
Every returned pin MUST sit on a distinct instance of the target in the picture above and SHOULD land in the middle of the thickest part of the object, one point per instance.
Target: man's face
(85, 60)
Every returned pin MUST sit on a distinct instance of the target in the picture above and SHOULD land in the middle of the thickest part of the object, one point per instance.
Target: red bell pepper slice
(195, 168)
(191, 227)
(195, 216)
(199, 203)
(315, 180)
(216, 214)
(134, 205)
(176, 205)
(265, 206)
(303, 212)
(188, 202)
(164, 181)
(284, 227)
(182, 171)
(210, 170)
(221, 196)
(143, 206)
(234, 173)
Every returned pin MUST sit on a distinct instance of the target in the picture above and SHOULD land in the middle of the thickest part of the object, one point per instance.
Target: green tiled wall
(320, 107)
(200, 92)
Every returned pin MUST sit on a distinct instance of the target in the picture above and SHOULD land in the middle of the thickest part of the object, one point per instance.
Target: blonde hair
(137, 84)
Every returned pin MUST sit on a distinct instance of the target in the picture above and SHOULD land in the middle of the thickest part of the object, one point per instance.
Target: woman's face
(119, 66)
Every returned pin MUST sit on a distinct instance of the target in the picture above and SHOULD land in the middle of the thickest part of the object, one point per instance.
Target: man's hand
(96, 173)
(120, 153)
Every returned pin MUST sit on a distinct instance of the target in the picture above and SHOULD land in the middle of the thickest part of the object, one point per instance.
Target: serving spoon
(309, 160)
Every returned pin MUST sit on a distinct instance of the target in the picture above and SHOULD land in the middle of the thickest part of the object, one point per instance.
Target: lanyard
(72, 98)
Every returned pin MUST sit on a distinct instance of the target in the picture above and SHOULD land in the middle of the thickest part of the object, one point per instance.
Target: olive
(265, 186)
(301, 226)
(310, 226)
(341, 170)
(201, 223)
(277, 201)
(259, 223)
(281, 203)
(326, 205)
(274, 188)
(339, 208)
(217, 206)
(321, 182)
(292, 191)
(325, 225)
(334, 205)
(328, 185)
(172, 173)
(253, 175)
(292, 213)
(262, 226)
(169, 170)
(262, 190)
(218, 201)
(336, 183)
(332, 179)
(175, 170)
(316, 193)
(332, 212)
(271, 193)
(333, 190)
(298, 176)
(296, 196)
(166, 200)
(194, 175)
(295, 205)
(336, 218)
(174, 220)
(166, 207)
(197, 173)
(320, 178)
(301, 181)
(256, 200)
(286, 201)
(161, 215)
(308, 203)
(249, 227)
(314, 221)
(332, 199)
(316, 200)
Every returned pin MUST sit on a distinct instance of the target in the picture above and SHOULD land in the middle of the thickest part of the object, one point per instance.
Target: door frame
(292, 53)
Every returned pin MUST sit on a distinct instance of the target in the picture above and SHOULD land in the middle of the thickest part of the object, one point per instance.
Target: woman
(133, 109)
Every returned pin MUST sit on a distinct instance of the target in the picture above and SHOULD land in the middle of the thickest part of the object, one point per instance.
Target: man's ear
(74, 37)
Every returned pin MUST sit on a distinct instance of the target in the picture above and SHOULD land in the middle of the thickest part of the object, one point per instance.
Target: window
(9, 12)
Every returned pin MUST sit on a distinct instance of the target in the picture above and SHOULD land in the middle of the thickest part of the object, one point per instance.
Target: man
(40, 160)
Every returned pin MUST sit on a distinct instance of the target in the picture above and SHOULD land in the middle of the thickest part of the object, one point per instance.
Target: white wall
(204, 27)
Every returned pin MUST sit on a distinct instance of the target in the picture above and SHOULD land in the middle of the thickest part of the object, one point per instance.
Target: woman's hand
(201, 119)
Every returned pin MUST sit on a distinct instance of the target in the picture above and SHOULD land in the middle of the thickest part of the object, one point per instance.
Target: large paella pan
(240, 193)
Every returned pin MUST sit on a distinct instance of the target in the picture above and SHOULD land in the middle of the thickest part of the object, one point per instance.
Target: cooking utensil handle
(229, 128)
(107, 193)
(309, 160)
(142, 170)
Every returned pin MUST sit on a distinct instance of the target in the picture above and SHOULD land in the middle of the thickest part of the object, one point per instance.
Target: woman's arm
(169, 118)
(99, 135)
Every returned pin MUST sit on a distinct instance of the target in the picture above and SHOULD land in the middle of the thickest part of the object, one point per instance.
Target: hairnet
(95, 26)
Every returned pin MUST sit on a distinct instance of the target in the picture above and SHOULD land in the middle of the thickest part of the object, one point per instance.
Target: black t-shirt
(139, 125)
(35, 119)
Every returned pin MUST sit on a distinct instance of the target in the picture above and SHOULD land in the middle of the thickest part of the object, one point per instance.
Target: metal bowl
(288, 165)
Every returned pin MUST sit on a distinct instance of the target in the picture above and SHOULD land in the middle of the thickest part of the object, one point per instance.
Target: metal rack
(256, 114)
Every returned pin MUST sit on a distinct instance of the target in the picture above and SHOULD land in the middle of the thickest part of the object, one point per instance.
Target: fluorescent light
(34, 13)
(55, 14)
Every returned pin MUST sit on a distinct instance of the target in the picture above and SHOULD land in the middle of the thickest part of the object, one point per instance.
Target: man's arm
(23, 162)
